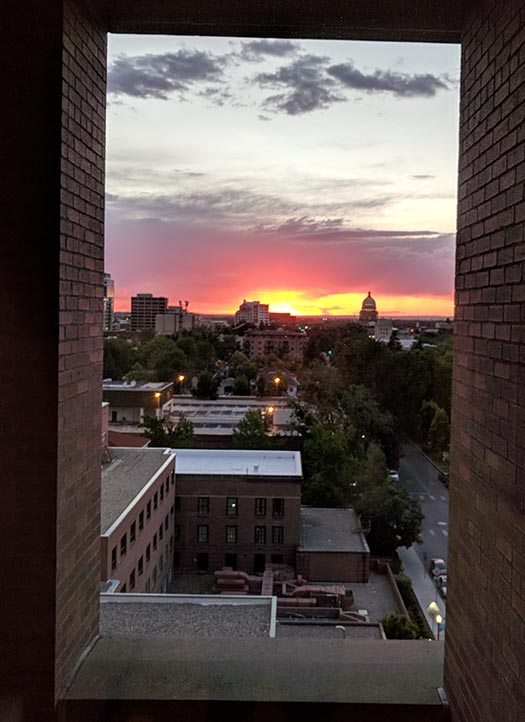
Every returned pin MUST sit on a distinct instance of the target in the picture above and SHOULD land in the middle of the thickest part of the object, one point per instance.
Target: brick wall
(485, 649)
(334, 567)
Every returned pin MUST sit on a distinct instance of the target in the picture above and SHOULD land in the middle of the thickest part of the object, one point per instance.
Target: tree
(376, 470)
(118, 358)
(397, 626)
(206, 387)
(426, 417)
(252, 432)
(439, 432)
(168, 435)
(394, 344)
(395, 518)
(241, 386)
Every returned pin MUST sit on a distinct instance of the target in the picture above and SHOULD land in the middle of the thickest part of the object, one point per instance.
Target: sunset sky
(302, 174)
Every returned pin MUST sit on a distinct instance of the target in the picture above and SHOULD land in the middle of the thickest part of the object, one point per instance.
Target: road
(420, 478)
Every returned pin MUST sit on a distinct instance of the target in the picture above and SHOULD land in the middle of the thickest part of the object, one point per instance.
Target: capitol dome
(369, 303)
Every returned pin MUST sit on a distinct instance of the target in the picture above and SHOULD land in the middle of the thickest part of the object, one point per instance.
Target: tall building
(109, 298)
(144, 310)
(253, 312)
(368, 313)
(175, 320)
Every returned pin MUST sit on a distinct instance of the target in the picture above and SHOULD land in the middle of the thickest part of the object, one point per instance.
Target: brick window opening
(123, 590)
(202, 534)
(156, 500)
(141, 521)
(171, 543)
(162, 493)
(277, 535)
(141, 566)
(161, 532)
(171, 510)
(148, 554)
(231, 535)
(260, 535)
(148, 510)
(260, 507)
(166, 522)
(113, 558)
(132, 581)
(203, 505)
(123, 545)
(132, 533)
(231, 506)
(154, 542)
(278, 507)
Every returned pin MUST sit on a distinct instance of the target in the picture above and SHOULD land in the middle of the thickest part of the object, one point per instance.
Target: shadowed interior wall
(485, 645)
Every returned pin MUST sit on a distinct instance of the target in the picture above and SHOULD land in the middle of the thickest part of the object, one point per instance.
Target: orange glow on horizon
(340, 304)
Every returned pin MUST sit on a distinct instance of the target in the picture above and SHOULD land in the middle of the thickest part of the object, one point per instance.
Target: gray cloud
(423, 176)
(256, 50)
(381, 81)
(304, 84)
(157, 76)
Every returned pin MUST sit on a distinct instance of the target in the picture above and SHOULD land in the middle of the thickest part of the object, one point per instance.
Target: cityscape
(264, 279)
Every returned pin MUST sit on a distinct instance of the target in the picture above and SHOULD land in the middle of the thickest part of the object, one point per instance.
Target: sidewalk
(424, 588)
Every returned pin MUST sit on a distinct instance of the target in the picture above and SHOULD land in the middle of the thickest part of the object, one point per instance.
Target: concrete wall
(485, 644)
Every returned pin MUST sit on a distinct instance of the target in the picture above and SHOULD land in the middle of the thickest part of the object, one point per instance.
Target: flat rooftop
(330, 530)
(125, 477)
(185, 616)
(312, 630)
(109, 385)
(228, 462)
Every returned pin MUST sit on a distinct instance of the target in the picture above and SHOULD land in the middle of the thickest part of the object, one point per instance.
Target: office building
(252, 312)
(109, 303)
(144, 310)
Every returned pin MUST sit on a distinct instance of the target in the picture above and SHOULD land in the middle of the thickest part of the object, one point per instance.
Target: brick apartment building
(263, 343)
(137, 519)
(144, 310)
(55, 60)
(236, 508)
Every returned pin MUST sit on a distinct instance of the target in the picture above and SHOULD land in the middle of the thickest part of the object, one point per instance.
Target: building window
(141, 521)
(277, 535)
(177, 503)
(231, 506)
(132, 581)
(278, 507)
(177, 531)
(148, 510)
(260, 507)
(260, 535)
(166, 522)
(155, 500)
(148, 554)
(167, 485)
(171, 510)
(123, 590)
(141, 566)
(132, 533)
(172, 477)
(154, 542)
(162, 492)
(113, 558)
(202, 534)
(123, 545)
(161, 532)
(161, 560)
(171, 543)
(203, 505)
(231, 535)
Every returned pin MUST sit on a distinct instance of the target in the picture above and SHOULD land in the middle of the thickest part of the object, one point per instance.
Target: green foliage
(118, 358)
(395, 517)
(397, 626)
(241, 386)
(375, 471)
(178, 436)
(206, 387)
(252, 432)
(426, 417)
(439, 432)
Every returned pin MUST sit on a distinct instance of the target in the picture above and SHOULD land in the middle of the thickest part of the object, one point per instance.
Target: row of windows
(231, 534)
(132, 534)
(164, 557)
(232, 506)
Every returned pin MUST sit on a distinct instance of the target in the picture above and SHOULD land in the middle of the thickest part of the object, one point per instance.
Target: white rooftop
(227, 462)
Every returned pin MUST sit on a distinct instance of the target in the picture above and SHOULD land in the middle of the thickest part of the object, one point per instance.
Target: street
(420, 478)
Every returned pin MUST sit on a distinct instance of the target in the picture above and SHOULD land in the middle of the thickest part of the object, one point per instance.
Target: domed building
(368, 313)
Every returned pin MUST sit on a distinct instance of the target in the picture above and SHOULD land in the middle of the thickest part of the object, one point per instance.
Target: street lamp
(277, 381)
(434, 611)
(180, 379)
(157, 396)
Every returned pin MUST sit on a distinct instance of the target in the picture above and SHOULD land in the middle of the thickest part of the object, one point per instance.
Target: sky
(299, 173)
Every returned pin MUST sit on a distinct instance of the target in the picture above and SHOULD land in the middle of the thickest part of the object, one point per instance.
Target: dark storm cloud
(157, 76)
(304, 84)
(257, 50)
(385, 81)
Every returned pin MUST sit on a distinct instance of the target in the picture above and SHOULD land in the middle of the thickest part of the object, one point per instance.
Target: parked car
(443, 477)
(441, 582)
(393, 475)
(438, 567)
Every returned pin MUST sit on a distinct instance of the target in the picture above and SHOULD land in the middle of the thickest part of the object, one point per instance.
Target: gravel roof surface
(330, 530)
(328, 631)
(125, 477)
(184, 620)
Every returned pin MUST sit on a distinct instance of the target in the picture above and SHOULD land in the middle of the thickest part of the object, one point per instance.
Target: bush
(397, 626)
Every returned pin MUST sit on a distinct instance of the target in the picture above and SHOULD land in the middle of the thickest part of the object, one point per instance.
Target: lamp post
(277, 381)
(434, 611)
(157, 396)
(180, 379)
